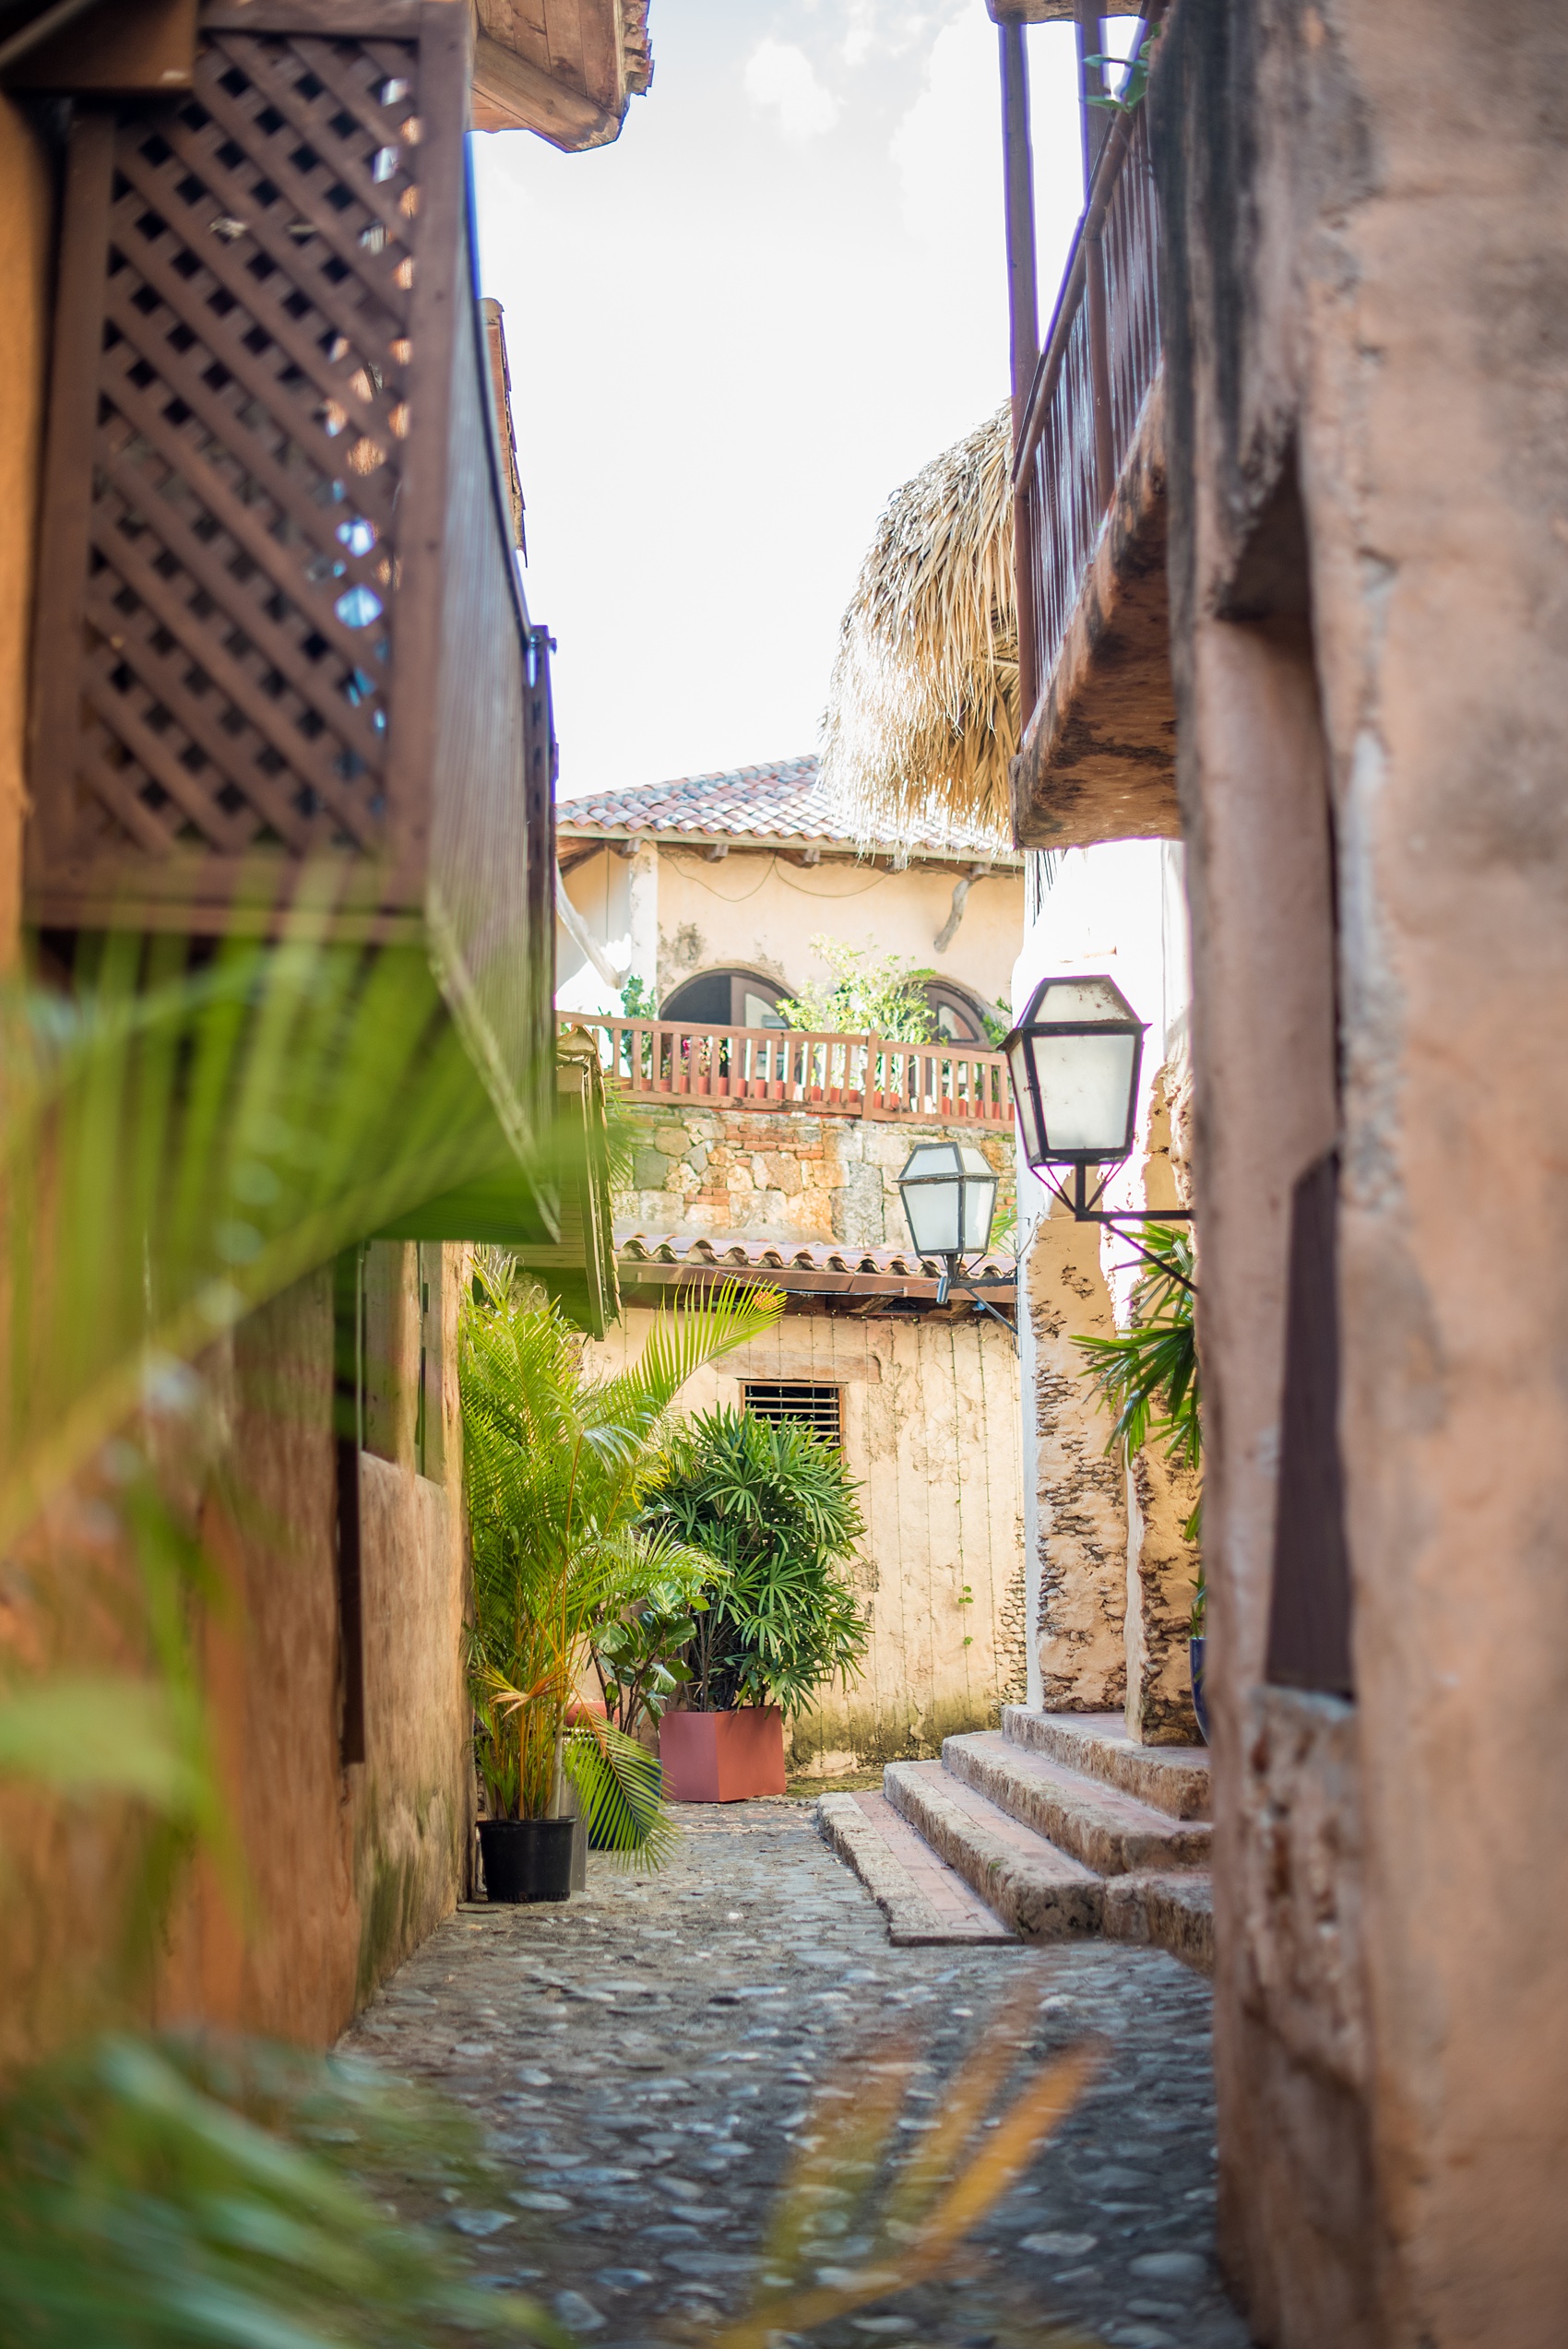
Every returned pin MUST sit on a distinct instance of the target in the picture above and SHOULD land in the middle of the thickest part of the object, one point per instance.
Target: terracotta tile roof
(826, 1267)
(783, 800)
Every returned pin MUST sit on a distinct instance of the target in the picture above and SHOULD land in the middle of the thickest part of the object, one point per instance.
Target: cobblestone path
(652, 2059)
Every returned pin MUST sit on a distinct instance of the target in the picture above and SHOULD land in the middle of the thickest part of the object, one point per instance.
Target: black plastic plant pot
(527, 1859)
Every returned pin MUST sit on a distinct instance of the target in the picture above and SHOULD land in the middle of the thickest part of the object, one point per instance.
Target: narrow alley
(654, 2061)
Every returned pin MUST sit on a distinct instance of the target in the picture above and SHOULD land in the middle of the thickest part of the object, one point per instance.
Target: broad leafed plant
(559, 1464)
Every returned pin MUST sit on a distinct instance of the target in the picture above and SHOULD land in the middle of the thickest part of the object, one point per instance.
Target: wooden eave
(564, 69)
(590, 838)
(896, 1295)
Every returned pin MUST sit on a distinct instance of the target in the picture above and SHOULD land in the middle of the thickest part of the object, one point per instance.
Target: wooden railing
(280, 626)
(769, 1068)
(1100, 360)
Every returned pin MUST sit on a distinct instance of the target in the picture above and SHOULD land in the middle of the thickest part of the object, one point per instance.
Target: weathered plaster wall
(1112, 1576)
(780, 1175)
(1162, 1563)
(756, 911)
(1080, 1567)
(26, 217)
(931, 1430)
(1361, 269)
(335, 1873)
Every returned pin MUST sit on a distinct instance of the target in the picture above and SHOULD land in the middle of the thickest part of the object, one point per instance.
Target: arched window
(957, 1011)
(726, 998)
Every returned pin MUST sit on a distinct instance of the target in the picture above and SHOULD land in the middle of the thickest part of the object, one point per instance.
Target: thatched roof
(923, 713)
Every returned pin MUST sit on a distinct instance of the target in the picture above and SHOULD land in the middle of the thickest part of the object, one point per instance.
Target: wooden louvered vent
(279, 622)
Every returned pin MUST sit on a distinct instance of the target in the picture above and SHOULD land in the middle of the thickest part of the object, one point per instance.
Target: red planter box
(722, 1757)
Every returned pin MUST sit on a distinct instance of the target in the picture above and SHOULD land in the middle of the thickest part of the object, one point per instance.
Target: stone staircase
(1058, 1822)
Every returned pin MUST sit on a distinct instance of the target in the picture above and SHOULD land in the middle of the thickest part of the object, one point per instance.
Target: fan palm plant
(560, 1463)
(1147, 1374)
(774, 1510)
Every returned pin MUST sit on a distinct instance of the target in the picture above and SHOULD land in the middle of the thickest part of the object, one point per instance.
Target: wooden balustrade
(769, 1068)
(1100, 360)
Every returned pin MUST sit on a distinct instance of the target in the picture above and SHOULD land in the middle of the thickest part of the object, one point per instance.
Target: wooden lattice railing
(279, 622)
(768, 1068)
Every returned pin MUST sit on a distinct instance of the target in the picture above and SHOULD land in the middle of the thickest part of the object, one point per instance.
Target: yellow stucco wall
(757, 911)
(26, 209)
(931, 1431)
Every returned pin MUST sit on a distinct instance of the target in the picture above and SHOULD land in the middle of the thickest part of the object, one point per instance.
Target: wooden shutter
(1309, 1629)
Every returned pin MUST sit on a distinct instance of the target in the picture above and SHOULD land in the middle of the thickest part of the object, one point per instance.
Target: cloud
(780, 75)
(947, 149)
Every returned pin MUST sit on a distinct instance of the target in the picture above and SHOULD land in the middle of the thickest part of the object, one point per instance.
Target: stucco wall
(332, 1874)
(780, 1174)
(1366, 283)
(931, 1430)
(757, 912)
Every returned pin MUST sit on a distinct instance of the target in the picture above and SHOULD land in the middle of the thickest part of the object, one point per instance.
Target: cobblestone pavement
(651, 2059)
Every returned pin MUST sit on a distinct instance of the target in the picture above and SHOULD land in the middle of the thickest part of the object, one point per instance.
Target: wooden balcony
(281, 628)
(1098, 751)
(837, 1076)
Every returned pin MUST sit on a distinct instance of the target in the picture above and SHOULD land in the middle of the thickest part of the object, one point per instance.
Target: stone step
(1111, 1832)
(1174, 1912)
(925, 1902)
(1039, 1891)
(1169, 1778)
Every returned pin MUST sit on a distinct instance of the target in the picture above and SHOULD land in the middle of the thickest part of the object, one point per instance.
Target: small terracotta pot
(722, 1757)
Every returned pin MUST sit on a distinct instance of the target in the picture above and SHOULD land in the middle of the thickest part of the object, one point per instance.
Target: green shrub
(776, 1509)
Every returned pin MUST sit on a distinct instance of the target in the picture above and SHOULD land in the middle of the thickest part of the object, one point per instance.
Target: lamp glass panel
(1086, 1085)
(1063, 998)
(979, 1206)
(1024, 1101)
(931, 1159)
(932, 1210)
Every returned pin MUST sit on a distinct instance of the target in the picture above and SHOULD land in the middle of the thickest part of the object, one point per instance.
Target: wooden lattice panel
(222, 616)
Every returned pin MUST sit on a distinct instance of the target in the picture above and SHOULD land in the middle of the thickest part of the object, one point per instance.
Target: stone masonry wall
(779, 1174)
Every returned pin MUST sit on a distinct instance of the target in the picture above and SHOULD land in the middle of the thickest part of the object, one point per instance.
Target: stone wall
(779, 1174)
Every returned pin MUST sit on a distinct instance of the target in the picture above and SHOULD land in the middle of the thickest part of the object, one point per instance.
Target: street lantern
(949, 1194)
(1074, 1058)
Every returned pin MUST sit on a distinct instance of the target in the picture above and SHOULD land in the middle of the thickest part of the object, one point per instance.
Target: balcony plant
(560, 1464)
(775, 1509)
(1148, 1375)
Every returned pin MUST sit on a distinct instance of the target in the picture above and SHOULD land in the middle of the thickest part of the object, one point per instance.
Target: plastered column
(1078, 1516)
(642, 914)
(1162, 1563)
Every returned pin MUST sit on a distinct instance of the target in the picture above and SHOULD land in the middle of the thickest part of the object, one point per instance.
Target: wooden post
(1095, 120)
(1097, 124)
(1023, 319)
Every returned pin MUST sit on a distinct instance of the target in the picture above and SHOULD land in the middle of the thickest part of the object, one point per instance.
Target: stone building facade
(927, 1398)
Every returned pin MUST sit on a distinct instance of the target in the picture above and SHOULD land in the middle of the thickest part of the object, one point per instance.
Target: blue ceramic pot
(1195, 1663)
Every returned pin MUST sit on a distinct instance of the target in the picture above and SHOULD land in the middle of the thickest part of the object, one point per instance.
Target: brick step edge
(1170, 1913)
(1172, 1779)
(912, 1923)
(1039, 1901)
(1073, 1816)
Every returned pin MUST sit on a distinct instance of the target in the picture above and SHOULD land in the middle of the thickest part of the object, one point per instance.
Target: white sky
(735, 332)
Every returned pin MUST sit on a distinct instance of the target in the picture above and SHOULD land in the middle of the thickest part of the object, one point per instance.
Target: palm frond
(621, 1787)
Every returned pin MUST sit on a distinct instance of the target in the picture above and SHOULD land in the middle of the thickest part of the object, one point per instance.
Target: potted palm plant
(775, 1510)
(559, 1463)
